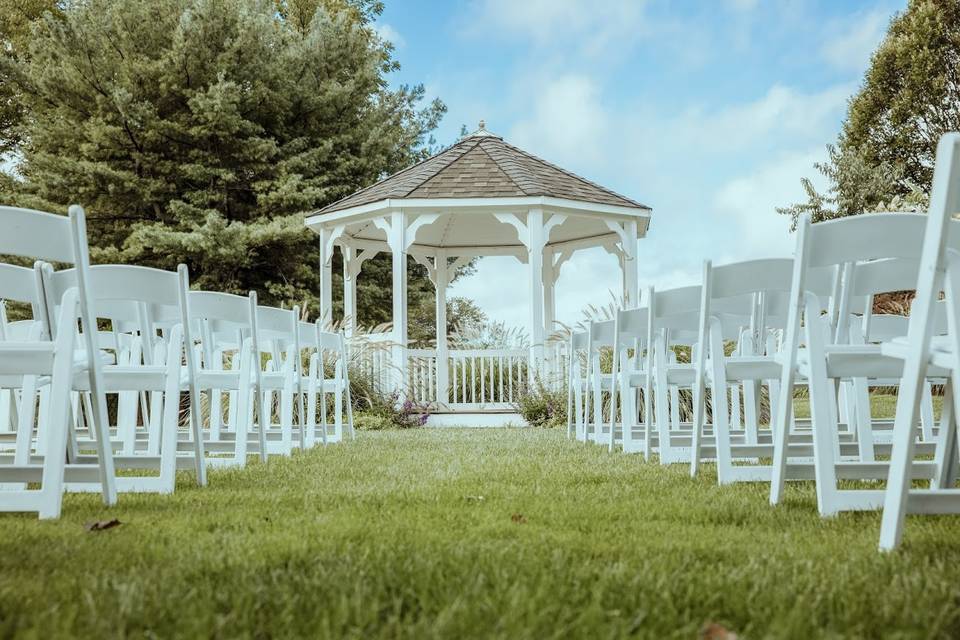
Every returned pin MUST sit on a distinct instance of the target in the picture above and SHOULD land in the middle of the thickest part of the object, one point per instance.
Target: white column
(549, 290)
(549, 305)
(349, 288)
(398, 246)
(326, 278)
(441, 281)
(631, 266)
(535, 242)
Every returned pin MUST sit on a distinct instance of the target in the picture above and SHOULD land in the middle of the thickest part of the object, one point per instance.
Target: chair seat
(26, 357)
(941, 354)
(739, 368)
(681, 374)
(854, 361)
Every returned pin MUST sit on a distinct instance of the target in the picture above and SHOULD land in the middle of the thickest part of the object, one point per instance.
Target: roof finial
(482, 132)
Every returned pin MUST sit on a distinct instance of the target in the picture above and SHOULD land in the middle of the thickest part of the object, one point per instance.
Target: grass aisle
(473, 533)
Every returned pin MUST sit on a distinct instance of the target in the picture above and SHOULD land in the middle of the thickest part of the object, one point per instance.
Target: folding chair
(939, 271)
(46, 236)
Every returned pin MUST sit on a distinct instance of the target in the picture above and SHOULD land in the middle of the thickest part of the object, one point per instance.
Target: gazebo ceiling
(466, 183)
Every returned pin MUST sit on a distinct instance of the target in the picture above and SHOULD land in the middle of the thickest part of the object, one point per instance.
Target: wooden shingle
(482, 165)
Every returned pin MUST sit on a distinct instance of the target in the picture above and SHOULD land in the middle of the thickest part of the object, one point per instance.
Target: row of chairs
(122, 374)
(689, 374)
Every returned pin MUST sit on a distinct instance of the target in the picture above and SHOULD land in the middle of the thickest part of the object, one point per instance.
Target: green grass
(882, 405)
(387, 537)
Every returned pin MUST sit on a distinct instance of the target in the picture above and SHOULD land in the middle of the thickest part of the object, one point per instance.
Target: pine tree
(200, 131)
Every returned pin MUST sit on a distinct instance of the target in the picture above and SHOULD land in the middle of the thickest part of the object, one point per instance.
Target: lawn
(514, 533)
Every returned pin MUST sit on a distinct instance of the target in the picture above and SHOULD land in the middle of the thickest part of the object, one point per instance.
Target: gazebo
(479, 197)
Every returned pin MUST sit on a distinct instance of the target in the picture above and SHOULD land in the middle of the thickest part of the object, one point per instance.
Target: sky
(708, 111)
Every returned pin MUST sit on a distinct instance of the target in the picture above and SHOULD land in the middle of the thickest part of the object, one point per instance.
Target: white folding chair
(829, 357)
(332, 355)
(276, 336)
(131, 298)
(225, 324)
(939, 271)
(46, 236)
(740, 301)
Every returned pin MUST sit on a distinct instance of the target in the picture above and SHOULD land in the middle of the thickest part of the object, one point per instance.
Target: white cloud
(566, 122)
(388, 33)
(713, 176)
(779, 116)
(747, 204)
(850, 43)
(742, 5)
(592, 27)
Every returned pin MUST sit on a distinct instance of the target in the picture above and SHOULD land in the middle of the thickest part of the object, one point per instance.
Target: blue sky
(708, 111)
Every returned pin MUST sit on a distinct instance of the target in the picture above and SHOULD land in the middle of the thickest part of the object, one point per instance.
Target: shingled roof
(482, 165)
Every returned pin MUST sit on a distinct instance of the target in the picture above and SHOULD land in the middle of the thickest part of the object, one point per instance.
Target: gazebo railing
(490, 378)
(476, 379)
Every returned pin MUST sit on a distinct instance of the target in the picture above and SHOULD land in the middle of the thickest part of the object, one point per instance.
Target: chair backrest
(28, 233)
(39, 235)
(223, 311)
(19, 284)
(674, 301)
(632, 323)
(122, 293)
(865, 237)
(276, 325)
(602, 333)
(882, 276)
(748, 277)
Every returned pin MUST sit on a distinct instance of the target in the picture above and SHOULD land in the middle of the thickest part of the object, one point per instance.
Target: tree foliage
(200, 131)
(16, 18)
(910, 96)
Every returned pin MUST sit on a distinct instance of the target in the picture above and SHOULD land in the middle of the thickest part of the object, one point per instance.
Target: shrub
(371, 422)
(389, 412)
(541, 406)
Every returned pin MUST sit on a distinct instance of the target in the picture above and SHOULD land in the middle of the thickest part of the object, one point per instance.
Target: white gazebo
(480, 197)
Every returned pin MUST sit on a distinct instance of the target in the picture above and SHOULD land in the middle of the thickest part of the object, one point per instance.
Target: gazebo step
(494, 418)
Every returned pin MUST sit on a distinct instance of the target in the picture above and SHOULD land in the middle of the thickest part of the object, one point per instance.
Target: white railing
(371, 353)
(476, 379)
(422, 376)
(486, 378)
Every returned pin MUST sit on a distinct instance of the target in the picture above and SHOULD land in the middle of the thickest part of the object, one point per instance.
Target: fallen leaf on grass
(518, 518)
(714, 631)
(101, 525)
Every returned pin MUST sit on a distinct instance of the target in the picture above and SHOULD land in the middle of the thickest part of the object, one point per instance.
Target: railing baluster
(493, 386)
(500, 377)
(482, 379)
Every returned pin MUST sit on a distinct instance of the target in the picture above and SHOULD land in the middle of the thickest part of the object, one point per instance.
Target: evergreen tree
(200, 131)
(16, 18)
(883, 159)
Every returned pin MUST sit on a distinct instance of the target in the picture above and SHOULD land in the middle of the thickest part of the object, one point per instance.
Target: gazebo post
(631, 267)
(535, 243)
(349, 288)
(549, 303)
(326, 278)
(398, 246)
(441, 282)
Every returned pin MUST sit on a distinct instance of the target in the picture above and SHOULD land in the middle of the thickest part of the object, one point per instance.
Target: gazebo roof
(482, 165)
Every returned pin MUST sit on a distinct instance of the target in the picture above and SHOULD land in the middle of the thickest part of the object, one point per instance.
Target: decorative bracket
(334, 235)
(421, 221)
(523, 229)
(355, 264)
